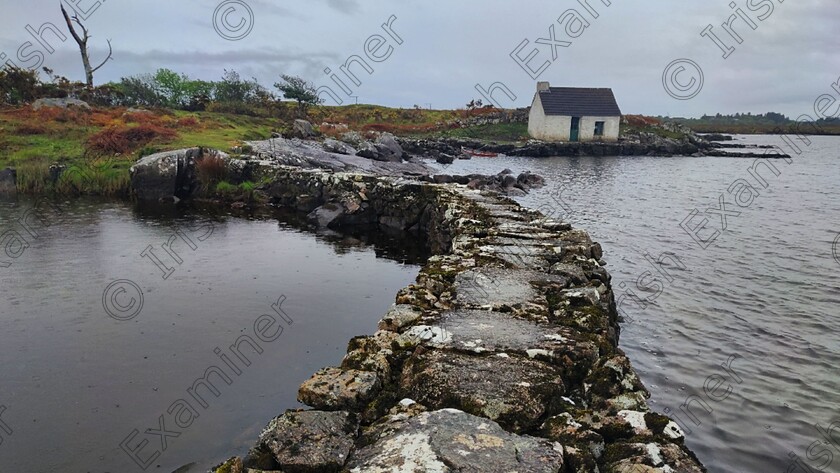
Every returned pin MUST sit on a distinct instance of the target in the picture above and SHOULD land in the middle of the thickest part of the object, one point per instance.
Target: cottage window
(599, 128)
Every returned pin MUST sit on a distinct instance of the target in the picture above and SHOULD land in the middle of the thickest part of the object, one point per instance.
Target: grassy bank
(99, 145)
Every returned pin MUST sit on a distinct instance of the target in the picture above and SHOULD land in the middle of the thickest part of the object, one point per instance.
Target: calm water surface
(76, 383)
(767, 290)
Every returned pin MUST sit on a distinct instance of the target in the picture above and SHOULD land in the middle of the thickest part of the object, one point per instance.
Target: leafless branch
(110, 54)
(70, 26)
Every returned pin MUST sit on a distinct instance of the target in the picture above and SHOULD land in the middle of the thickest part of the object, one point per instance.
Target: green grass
(626, 130)
(500, 132)
(224, 131)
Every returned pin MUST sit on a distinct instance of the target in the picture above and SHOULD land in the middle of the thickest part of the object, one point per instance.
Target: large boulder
(451, 440)
(389, 142)
(303, 129)
(8, 182)
(59, 103)
(385, 149)
(305, 442)
(168, 174)
(377, 152)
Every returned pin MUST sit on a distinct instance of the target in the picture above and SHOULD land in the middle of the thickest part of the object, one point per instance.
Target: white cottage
(573, 114)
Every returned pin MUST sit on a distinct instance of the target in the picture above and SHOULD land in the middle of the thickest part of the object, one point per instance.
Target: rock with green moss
(306, 442)
(511, 390)
(399, 317)
(650, 458)
(232, 465)
(336, 388)
(450, 440)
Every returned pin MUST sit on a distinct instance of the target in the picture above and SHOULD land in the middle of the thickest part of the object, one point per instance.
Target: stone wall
(503, 356)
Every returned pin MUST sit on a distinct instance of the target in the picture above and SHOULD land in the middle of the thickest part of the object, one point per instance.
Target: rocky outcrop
(643, 144)
(646, 146)
(167, 175)
(59, 103)
(379, 159)
(503, 356)
(175, 175)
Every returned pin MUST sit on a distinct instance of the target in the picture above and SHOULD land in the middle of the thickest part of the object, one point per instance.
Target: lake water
(766, 289)
(76, 382)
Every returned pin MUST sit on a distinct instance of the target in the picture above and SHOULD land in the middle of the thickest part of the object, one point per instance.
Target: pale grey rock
(450, 440)
(59, 103)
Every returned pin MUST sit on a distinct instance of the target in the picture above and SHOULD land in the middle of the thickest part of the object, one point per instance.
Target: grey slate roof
(579, 102)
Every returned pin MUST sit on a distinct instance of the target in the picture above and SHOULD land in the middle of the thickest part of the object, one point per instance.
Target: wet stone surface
(306, 441)
(513, 391)
(450, 441)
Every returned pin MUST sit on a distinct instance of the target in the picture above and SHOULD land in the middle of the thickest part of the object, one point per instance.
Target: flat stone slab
(482, 331)
(526, 254)
(513, 391)
(450, 440)
(496, 287)
(335, 388)
(310, 441)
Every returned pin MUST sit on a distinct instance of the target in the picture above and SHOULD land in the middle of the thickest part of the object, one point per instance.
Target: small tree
(83, 47)
(296, 88)
(18, 85)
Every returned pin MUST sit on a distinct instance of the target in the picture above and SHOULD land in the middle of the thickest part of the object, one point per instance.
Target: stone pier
(502, 357)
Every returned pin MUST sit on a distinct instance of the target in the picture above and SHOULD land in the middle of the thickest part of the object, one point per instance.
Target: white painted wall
(558, 128)
(547, 128)
(587, 128)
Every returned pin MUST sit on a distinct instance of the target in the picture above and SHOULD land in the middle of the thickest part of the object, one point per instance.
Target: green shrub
(225, 188)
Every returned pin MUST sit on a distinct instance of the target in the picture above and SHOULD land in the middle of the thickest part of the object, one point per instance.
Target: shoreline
(72, 180)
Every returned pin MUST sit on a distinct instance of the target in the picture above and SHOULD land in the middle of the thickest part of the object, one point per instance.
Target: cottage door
(575, 132)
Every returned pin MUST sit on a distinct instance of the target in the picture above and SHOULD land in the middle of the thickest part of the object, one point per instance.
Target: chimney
(542, 87)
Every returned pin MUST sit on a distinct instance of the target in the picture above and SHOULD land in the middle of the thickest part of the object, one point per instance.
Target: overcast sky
(448, 47)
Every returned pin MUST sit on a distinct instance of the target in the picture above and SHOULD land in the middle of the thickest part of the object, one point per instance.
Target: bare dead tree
(83, 47)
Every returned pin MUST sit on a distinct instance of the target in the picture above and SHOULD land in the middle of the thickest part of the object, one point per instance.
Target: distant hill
(764, 123)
